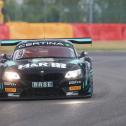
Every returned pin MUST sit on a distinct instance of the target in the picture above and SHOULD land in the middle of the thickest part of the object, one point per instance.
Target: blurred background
(84, 11)
(102, 20)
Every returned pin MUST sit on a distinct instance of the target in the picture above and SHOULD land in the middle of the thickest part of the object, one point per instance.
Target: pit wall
(23, 30)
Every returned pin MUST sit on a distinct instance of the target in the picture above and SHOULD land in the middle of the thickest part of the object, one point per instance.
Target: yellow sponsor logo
(74, 88)
(10, 90)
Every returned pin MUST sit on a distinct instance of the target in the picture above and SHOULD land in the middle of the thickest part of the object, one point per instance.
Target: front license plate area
(48, 84)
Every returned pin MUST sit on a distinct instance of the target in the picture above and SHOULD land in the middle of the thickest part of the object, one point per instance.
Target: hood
(38, 64)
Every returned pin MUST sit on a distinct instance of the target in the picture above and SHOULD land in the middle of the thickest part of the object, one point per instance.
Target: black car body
(47, 68)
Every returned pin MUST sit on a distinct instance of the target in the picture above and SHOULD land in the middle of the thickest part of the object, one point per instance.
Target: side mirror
(83, 54)
(4, 58)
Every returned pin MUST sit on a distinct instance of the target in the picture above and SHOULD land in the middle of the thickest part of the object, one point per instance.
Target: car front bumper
(61, 89)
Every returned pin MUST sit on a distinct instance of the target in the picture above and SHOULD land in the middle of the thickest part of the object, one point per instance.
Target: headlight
(73, 74)
(9, 75)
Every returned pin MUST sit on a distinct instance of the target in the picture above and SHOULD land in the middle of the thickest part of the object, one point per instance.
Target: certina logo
(40, 43)
(35, 65)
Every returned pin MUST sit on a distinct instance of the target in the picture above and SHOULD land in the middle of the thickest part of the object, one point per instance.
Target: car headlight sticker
(73, 74)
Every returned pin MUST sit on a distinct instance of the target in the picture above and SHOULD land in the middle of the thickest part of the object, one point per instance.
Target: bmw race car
(45, 68)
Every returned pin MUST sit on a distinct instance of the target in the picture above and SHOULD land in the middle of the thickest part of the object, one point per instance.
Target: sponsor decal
(42, 84)
(44, 64)
(74, 82)
(74, 88)
(72, 93)
(9, 84)
(12, 90)
(13, 95)
(40, 43)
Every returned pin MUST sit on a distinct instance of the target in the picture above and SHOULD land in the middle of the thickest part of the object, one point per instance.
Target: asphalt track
(106, 108)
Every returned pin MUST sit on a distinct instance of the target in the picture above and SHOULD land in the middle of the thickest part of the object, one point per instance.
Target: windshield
(44, 52)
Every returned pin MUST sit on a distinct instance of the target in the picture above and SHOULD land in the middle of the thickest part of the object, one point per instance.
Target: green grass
(98, 45)
(6, 49)
(104, 45)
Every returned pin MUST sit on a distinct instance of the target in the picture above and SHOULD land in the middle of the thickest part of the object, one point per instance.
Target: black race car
(45, 68)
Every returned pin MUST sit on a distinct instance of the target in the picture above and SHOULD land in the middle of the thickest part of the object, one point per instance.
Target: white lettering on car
(74, 82)
(28, 44)
(40, 43)
(36, 43)
(23, 66)
(63, 65)
(47, 84)
(57, 65)
(34, 65)
(44, 64)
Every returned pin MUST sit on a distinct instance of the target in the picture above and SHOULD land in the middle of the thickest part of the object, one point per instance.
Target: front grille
(47, 92)
(45, 77)
(53, 76)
